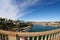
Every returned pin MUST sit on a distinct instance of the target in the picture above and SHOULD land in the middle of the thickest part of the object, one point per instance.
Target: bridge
(45, 35)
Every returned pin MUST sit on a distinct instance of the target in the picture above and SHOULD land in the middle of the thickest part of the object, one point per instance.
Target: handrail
(29, 33)
(38, 33)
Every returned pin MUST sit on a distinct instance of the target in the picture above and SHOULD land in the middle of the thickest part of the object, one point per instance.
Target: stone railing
(46, 35)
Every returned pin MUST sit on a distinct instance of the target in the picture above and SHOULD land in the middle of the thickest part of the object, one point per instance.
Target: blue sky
(31, 10)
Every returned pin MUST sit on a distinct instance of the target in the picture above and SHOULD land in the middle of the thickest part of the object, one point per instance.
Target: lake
(39, 28)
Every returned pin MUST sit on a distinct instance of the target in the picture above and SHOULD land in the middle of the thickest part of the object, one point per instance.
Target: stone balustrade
(45, 35)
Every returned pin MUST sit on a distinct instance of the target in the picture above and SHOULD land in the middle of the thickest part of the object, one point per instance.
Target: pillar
(37, 38)
(45, 37)
(5, 37)
(52, 37)
(49, 37)
(32, 38)
(58, 36)
(28, 38)
(0, 36)
(41, 37)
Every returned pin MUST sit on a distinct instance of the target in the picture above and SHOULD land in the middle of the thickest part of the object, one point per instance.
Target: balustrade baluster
(41, 37)
(57, 36)
(28, 38)
(37, 38)
(0, 36)
(49, 37)
(32, 38)
(52, 37)
(5, 37)
(45, 37)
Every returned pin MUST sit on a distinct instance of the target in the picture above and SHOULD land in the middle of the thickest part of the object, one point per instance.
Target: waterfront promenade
(46, 35)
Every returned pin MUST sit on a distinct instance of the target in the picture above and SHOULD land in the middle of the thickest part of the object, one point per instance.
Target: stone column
(41, 37)
(32, 38)
(49, 37)
(37, 38)
(45, 37)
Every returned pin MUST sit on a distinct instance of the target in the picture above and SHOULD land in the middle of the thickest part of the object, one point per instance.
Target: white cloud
(27, 3)
(24, 5)
(7, 10)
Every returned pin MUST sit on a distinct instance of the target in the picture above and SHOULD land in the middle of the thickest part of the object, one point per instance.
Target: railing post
(45, 37)
(32, 38)
(52, 37)
(28, 38)
(21, 38)
(49, 37)
(2, 37)
(58, 36)
(37, 38)
(5, 37)
(41, 37)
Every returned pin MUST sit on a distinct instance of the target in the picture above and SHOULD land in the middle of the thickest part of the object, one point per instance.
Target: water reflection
(39, 28)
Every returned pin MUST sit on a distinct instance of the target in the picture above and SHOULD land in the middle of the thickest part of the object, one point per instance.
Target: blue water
(39, 28)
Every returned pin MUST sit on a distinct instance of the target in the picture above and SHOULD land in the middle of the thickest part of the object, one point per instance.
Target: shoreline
(52, 24)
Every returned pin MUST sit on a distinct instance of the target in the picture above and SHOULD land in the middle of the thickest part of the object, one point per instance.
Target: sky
(30, 10)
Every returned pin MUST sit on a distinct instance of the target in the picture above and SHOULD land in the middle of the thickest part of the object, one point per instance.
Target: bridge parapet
(45, 35)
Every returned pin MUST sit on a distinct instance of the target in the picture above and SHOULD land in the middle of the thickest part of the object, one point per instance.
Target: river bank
(51, 24)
